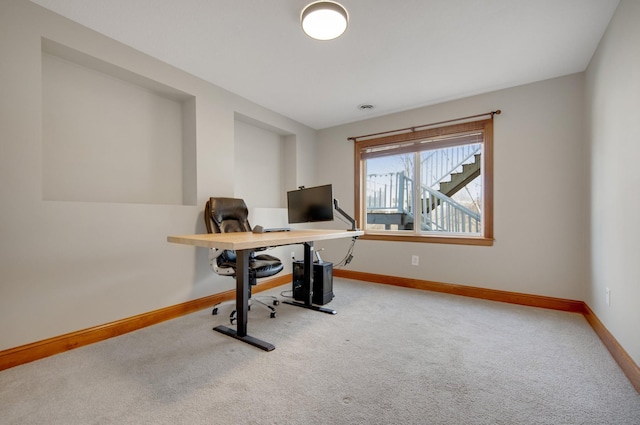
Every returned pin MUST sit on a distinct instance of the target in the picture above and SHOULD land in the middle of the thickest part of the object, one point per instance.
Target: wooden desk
(244, 243)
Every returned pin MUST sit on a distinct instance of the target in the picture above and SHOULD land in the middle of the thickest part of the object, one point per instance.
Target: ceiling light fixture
(324, 20)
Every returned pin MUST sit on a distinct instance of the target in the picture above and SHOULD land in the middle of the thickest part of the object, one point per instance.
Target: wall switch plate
(415, 260)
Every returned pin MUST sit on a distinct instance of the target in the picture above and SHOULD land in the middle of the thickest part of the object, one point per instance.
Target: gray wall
(541, 222)
(73, 263)
(613, 110)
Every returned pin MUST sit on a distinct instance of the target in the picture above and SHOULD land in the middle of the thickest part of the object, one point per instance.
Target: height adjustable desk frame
(246, 242)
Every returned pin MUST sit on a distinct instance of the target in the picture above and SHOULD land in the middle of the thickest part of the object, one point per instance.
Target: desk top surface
(249, 240)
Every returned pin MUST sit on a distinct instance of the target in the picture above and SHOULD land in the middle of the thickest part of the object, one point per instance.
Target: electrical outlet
(608, 296)
(415, 260)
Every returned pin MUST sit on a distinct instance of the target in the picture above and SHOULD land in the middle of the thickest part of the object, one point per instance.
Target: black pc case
(322, 282)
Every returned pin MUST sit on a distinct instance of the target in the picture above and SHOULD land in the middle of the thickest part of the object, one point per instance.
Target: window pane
(389, 192)
(451, 189)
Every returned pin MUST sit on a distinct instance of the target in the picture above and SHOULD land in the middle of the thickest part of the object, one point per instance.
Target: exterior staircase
(459, 180)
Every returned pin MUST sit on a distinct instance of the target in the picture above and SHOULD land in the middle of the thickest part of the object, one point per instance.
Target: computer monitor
(310, 204)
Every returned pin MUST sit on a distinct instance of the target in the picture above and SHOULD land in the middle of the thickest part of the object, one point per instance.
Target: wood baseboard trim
(626, 363)
(59, 344)
(467, 291)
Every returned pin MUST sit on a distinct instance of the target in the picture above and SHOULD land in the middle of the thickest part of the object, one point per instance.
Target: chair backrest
(226, 215)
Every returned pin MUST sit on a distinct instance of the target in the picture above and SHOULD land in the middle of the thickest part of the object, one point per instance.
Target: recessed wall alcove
(265, 162)
(110, 135)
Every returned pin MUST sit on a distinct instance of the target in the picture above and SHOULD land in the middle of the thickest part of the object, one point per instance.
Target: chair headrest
(228, 215)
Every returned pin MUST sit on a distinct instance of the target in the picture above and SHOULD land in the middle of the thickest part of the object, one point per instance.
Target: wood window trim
(445, 239)
(486, 239)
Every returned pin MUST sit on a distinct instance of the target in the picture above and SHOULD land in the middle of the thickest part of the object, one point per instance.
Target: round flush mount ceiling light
(324, 20)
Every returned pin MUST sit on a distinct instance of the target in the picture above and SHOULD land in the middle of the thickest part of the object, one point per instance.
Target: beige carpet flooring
(390, 356)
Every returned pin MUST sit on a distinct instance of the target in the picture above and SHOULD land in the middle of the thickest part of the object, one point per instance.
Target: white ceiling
(396, 55)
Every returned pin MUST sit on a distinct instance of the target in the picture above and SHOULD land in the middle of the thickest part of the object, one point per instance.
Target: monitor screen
(310, 204)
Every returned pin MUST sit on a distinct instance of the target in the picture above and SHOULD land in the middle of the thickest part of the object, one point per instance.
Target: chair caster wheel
(273, 314)
(276, 302)
(215, 311)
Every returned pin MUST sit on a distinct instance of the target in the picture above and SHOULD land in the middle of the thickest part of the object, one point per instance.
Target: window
(432, 185)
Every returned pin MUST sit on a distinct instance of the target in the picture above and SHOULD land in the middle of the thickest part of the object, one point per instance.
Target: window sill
(454, 240)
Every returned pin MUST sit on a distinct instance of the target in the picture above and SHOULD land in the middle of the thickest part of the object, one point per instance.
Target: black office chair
(225, 215)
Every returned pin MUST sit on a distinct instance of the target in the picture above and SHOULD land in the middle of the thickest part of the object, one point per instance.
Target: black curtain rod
(412, 129)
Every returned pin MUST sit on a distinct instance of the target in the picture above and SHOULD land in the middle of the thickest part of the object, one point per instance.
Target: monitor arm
(345, 215)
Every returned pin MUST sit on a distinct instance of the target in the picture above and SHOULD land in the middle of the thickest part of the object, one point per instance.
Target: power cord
(283, 294)
(348, 256)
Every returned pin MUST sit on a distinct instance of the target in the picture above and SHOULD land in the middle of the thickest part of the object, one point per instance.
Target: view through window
(427, 184)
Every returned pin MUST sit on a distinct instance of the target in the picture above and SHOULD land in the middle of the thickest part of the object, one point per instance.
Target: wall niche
(110, 135)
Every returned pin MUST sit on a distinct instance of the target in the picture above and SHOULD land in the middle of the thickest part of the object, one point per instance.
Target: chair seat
(263, 265)
(266, 265)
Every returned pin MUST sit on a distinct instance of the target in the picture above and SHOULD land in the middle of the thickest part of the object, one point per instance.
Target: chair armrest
(214, 253)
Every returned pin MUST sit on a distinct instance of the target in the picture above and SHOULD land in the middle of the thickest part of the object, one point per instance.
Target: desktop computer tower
(322, 282)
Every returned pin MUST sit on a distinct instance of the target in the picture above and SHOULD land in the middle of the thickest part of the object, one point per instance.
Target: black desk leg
(307, 289)
(242, 304)
(308, 273)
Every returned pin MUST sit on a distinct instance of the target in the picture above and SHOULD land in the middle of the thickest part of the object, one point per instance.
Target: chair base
(232, 316)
